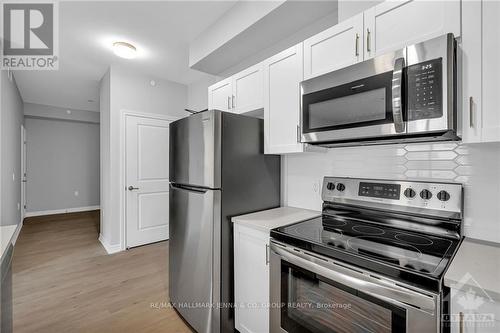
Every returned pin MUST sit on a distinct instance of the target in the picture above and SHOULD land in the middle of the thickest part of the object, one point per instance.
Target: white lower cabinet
(473, 312)
(251, 279)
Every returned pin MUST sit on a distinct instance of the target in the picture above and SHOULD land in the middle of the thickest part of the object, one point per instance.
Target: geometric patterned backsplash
(476, 166)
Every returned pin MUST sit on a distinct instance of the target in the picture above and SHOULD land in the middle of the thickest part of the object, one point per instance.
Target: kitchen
(345, 182)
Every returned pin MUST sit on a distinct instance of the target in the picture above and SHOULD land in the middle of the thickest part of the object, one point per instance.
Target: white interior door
(147, 167)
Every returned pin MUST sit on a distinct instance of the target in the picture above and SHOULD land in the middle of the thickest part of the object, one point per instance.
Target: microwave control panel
(424, 90)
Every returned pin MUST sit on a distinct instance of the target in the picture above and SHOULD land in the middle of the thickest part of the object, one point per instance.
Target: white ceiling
(161, 31)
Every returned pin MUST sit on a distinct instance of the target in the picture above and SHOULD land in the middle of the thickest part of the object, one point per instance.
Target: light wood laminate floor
(64, 281)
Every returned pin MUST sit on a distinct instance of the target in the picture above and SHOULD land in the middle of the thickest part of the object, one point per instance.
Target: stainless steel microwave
(409, 95)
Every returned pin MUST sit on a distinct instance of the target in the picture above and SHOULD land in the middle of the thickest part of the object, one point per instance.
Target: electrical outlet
(316, 187)
(77, 193)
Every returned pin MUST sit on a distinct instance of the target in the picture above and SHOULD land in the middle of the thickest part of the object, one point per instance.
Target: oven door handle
(397, 95)
(387, 292)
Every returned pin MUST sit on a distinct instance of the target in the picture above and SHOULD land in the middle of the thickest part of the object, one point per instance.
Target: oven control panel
(379, 190)
(418, 194)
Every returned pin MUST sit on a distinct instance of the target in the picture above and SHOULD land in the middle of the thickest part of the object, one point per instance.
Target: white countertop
(273, 218)
(6, 233)
(476, 265)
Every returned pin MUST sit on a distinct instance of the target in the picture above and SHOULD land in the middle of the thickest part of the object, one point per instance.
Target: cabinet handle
(461, 322)
(368, 46)
(298, 133)
(228, 103)
(232, 101)
(267, 254)
(356, 48)
(471, 112)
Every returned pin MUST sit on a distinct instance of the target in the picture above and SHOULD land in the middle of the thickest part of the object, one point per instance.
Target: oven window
(312, 303)
(351, 109)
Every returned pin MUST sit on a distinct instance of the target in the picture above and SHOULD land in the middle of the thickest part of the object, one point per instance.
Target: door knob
(131, 188)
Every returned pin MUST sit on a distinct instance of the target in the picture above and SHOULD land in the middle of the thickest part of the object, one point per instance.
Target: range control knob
(330, 186)
(426, 194)
(410, 193)
(443, 196)
(340, 187)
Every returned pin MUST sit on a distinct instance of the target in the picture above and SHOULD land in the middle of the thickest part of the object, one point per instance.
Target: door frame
(24, 180)
(124, 113)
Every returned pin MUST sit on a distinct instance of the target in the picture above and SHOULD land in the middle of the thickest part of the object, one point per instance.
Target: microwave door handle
(397, 92)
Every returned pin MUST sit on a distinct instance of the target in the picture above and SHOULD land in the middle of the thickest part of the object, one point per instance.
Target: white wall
(54, 112)
(129, 91)
(476, 166)
(11, 118)
(105, 150)
(62, 158)
(198, 93)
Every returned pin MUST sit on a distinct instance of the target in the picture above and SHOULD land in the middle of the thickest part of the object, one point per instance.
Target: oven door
(362, 101)
(313, 294)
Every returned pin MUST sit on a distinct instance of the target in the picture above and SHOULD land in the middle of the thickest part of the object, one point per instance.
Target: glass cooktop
(404, 250)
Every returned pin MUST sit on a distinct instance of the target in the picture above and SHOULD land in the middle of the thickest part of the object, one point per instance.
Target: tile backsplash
(476, 166)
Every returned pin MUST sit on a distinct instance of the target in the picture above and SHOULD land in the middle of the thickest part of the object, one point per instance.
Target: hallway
(65, 282)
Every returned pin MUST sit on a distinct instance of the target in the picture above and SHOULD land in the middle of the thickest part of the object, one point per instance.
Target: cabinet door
(482, 318)
(251, 284)
(247, 90)
(282, 76)
(339, 46)
(393, 24)
(470, 58)
(219, 95)
(491, 71)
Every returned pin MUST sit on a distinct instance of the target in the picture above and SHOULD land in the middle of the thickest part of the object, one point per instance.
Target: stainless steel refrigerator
(217, 170)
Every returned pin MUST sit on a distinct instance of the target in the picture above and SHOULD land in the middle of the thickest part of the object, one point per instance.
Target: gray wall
(11, 119)
(62, 157)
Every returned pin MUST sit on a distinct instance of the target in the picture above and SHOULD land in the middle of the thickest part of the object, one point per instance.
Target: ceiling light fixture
(124, 50)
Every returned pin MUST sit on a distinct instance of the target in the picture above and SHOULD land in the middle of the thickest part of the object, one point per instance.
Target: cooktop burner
(418, 253)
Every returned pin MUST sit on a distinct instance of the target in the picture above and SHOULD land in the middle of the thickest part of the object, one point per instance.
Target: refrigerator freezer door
(194, 255)
(195, 144)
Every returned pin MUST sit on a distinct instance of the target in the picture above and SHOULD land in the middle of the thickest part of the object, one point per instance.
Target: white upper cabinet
(491, 71)
(220, 95)
(339, 46)
(247, 90)
(480, 51)
(282, 76)
(470, 51)
(240, 93)
(392, 25)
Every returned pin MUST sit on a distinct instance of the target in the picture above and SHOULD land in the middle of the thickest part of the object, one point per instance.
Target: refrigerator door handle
(189, 188)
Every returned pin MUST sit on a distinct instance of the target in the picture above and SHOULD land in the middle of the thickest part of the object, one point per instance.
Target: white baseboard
(61, 211)
(17, 232)
(110, 248)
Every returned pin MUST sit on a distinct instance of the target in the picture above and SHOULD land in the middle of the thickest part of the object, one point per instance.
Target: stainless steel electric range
(374, 261)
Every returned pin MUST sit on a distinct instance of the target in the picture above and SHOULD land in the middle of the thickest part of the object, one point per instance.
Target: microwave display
(424, 90)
